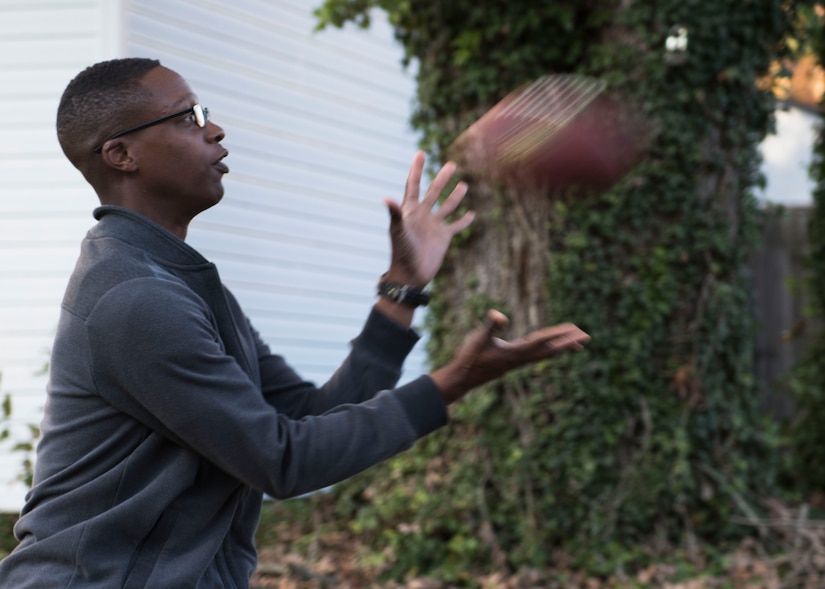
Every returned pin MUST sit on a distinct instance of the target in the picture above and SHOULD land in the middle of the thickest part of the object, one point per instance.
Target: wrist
(448, 383)
(401, 293)
(400, 274)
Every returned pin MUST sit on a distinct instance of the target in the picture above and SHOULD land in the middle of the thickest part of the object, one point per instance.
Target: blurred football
(559, 132)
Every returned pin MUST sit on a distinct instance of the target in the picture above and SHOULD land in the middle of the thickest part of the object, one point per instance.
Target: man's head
(137, 133)
(96, 102)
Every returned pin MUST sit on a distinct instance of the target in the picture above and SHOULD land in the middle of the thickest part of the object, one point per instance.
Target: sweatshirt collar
(141, 232)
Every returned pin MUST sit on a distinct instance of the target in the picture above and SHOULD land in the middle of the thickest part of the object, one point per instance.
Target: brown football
(559, 132)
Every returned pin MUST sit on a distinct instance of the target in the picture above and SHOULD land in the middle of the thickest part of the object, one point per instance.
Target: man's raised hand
(419, 231)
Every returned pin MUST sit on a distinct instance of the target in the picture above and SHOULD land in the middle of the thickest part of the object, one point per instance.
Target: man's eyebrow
(187, 101)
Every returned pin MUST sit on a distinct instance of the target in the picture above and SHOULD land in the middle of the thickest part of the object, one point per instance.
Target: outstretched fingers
(439, 184)
(554, 340)
(450, 204)
(413, 186)
(462, 223)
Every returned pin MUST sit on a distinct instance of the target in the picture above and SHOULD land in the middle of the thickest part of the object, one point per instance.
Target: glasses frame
(201, 117)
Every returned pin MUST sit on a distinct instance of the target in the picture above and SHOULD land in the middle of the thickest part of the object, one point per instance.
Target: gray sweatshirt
(167, 418)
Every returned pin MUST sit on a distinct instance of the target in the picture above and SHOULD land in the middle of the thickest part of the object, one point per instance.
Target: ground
(338, 569)
(786, 551)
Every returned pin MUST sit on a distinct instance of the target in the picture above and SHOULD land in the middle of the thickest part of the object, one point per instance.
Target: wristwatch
(402, 293)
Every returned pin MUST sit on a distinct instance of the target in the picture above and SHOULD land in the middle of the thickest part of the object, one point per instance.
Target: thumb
(495, 321)
(492, 325)
(395, 211)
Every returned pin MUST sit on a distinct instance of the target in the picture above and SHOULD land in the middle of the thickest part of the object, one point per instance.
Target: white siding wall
(317, 129)
(44, 202)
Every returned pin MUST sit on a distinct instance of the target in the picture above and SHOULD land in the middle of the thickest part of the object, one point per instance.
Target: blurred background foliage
(806, 434)
(651, 442)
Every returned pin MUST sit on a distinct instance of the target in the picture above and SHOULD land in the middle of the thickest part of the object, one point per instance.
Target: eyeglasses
(201, 114)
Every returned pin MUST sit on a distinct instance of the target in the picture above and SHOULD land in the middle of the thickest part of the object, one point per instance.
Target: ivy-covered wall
(651, 439)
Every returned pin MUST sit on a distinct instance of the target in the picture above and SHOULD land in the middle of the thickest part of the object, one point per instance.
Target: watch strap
(402, 293)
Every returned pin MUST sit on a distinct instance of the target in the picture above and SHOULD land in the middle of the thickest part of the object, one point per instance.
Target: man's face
(178, 163)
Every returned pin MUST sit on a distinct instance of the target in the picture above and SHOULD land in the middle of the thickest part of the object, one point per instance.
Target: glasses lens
(201, 115)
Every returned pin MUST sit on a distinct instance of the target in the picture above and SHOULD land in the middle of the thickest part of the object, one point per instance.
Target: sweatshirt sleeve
(157, 356)
(374, 364)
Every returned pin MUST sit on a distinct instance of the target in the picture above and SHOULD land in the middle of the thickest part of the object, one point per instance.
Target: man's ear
(116, 154)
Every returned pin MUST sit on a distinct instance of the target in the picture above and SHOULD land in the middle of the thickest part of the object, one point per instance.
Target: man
(167, 417)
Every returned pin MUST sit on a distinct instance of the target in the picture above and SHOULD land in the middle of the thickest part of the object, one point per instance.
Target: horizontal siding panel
(294, 299)
(38, 81)
(291, 307)
(32, 114)
(72, 202)
(318, 269)
(27, 383)
(331, 338)
(24, 327)
(33, 288)
(301, 232)
(51, 51)
(364, 163)
(305, 353)
(48, 171)
(285, 199)
(34, 21)
(297, 283)
(15, 136)
(307, 119)
(291, 21)
(24, 348)
(45, 231)
(21, 319)
(32, 276)
(317, 176)
(22, 262)
(276, 37)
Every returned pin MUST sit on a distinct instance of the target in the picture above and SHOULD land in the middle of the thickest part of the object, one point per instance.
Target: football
(560, 132)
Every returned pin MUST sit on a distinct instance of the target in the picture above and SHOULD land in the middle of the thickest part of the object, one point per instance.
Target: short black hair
(95, 100)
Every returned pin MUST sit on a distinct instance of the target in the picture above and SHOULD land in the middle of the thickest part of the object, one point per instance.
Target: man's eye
(188, 118)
